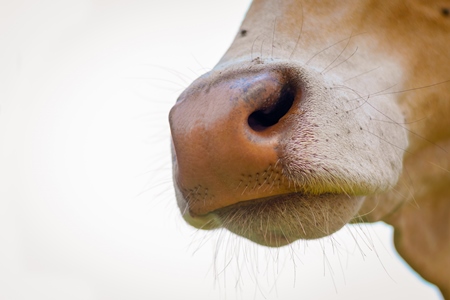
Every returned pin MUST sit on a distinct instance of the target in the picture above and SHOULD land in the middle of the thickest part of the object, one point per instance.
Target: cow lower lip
(282, 219)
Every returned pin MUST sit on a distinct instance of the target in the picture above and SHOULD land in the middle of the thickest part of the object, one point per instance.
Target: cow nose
(225, 132)
(274, 103)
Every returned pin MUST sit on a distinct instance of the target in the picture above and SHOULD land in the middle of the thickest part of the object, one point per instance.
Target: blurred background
(87, 209)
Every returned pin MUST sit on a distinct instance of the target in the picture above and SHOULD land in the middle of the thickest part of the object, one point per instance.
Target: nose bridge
(225, 135)
(272, 30)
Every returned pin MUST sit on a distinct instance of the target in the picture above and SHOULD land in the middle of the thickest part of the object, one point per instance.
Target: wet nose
(225, 132)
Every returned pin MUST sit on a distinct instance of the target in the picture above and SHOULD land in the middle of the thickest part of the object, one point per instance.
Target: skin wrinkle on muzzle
(324, 114)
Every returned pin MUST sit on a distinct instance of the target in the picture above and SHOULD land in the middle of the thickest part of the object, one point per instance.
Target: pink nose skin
(226, 133)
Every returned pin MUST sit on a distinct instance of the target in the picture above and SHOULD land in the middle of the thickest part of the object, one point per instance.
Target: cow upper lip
(255, 201)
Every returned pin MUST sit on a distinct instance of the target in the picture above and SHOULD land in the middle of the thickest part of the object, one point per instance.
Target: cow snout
(226, 131)
(275, 152)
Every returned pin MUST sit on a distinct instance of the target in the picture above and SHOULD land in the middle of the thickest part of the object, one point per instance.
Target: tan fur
(366, 138)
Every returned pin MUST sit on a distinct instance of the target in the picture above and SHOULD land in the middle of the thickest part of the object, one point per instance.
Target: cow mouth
(279, 220)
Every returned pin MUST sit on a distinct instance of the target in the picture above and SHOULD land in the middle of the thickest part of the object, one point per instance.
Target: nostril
(273, 110)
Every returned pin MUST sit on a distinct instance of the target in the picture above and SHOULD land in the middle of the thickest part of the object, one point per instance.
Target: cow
(323, 113)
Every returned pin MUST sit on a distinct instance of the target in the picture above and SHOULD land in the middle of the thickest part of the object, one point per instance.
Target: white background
(87, 209)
